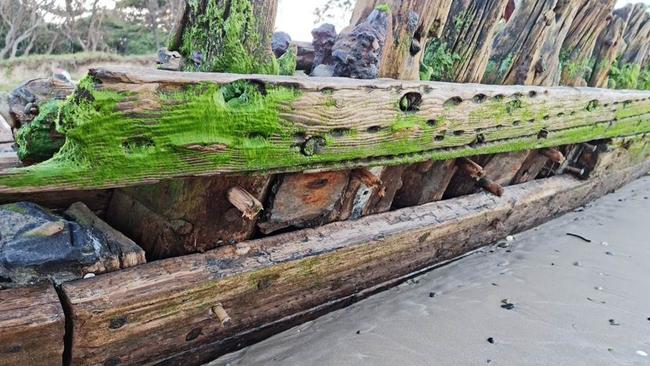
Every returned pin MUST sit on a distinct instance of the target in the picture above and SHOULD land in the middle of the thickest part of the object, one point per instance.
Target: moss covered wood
(226, 36)
(129, 126)
(282, 280)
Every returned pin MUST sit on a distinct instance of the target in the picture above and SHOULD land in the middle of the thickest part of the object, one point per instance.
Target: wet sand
(573, 303)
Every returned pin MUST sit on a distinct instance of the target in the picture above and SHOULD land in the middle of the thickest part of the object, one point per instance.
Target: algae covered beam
(127, 126)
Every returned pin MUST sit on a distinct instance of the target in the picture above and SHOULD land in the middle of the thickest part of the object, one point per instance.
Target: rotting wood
(413, 23)
(96, 200)
(468, 33)
(590, 20)
(437, 126)
(304, 200)
(245, 202)
(177, 217)
(530, 168)
(424, 182)
(127, 252)
(554, 154)
(607, 47)
(32, 326)
(281, 277)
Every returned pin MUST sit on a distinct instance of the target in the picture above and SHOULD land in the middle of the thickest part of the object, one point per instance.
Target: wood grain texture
(277, 280)
(411, 21)
(177, 217)
(444, 124)
(32, 325)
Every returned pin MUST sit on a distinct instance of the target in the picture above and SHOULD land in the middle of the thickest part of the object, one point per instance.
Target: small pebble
(358, 332)
(89, 275)
(609, 253)
(503, 244)
(641, 353)
(599, 288)
(508, 251)
(613, 322)
(490, 340)
(577, 264)
(494, 284)
(432, 294)
(510, 238)
(552, 263)
(508, 306)
(604, 243)
(649, 318)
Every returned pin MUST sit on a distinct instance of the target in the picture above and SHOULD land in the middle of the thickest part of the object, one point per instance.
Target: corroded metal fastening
(221, 314)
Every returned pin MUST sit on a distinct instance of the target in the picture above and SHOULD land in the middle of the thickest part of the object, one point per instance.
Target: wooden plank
(191, 215)
(32, 326)
(163, 312)
(304, 200)
(320, 124)
(96, 200)
(424, 182)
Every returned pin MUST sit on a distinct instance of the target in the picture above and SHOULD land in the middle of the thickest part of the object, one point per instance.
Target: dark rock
(357, 54)
(324, 38)
(490, 340)
(432, 294)
(169, 60)
(36, 245)
(508, 306)
(613, 322)
(25, 100)
(280, 43)
(323, 71)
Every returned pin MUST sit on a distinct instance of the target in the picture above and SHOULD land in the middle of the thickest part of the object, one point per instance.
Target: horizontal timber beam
(127, 126)
(167, 312)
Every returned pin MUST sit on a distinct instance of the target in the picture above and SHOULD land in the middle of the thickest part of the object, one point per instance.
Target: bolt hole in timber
(410, 102)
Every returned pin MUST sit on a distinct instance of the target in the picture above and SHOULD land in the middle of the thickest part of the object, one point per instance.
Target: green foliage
(384, 8)
(624, 76)
(438, 62)
(288, 62)
(576, 68)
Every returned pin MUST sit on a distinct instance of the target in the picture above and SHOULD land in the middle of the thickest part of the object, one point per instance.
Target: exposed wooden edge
(161, 312)
(351, 123)
(32, 326)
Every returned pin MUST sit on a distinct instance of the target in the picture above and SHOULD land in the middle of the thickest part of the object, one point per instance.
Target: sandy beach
(542, 298)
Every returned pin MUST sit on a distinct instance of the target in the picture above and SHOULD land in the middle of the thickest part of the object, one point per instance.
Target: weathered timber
(184, 127)
(637, 33)
(226, 36)
(469, 33)
(590, 20)
(96, 200)
(413, 23)
(527, 50)
(32, 326)
(605, 51)
(273, 282)
(126, 252)
(177, 217)
(304, 200)
(424, 182)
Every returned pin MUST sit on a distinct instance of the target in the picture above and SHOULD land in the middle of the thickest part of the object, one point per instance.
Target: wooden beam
(299, 124)
(164, 309)
(32, 326)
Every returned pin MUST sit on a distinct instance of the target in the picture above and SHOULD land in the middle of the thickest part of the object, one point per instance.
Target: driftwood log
(196, 307)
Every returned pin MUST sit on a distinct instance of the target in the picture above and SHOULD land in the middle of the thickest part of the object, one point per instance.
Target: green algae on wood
(226, 36)
(122, 131)
(39, 140)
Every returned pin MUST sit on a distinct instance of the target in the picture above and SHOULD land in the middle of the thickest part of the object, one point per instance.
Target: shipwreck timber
(261, 201)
